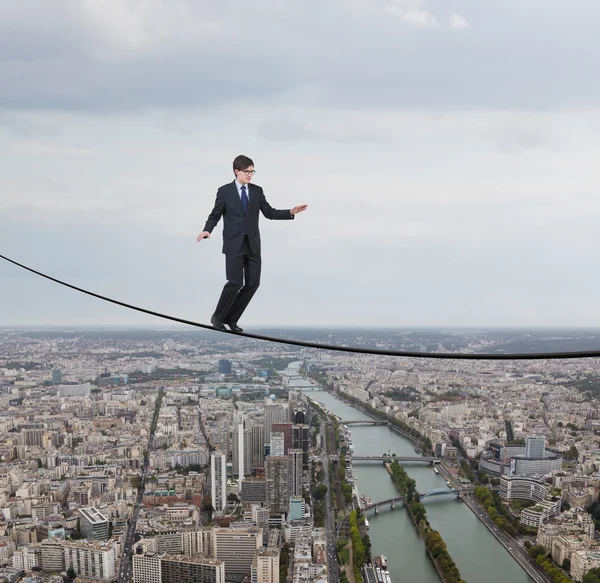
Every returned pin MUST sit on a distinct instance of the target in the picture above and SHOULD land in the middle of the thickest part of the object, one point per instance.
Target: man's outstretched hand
(203, 235)
(298, 209)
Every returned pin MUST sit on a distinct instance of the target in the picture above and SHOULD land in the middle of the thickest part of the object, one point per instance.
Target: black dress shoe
(217, 325)
(233, 327)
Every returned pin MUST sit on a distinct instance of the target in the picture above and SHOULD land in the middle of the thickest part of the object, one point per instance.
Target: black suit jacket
(235, 223)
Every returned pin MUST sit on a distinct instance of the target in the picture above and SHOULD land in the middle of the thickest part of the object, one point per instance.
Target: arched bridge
(363, 422)
(391, 503)
(440, 492)
(398, 458)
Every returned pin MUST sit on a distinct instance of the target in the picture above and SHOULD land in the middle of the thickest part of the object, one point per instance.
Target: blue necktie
(244, 199)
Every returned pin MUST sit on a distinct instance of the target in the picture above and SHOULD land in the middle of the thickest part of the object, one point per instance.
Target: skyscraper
(286, 429)
(295, 472)
(242, 447)
(299, 416)
(274, 413)
(258, 446)
(301, 440)
(218, 476)
(277, 444)
(278, 488)
(224, 435)
(510, 434)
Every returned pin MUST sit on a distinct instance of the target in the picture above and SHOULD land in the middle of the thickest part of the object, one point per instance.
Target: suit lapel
(253, 198)
(236, 195)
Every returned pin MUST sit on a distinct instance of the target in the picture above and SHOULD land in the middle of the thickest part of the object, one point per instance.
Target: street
(126, 565)
(332, 562)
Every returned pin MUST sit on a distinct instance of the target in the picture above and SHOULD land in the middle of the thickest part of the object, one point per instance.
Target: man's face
(244, 176)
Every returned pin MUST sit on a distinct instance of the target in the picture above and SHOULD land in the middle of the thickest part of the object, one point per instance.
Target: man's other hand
(298, 209)
(203, 235)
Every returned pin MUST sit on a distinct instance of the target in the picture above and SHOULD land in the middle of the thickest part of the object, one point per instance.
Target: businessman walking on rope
(238, 203)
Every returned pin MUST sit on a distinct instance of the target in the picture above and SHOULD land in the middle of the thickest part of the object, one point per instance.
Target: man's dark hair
(242, 163)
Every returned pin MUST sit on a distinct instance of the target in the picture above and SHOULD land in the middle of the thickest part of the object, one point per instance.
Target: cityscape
(177, 456)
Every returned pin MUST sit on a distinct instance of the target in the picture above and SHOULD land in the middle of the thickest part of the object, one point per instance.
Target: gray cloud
(296, 129)
(21, 125)
(354, 54)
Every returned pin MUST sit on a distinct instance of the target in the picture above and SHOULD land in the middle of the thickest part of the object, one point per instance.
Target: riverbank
(478, 555)
(435, 545)
(509, 545)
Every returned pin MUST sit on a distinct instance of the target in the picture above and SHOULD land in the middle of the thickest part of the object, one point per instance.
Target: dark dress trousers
(241, 246)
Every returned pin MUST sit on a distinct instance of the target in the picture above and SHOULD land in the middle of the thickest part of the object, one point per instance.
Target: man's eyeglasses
(248, 172)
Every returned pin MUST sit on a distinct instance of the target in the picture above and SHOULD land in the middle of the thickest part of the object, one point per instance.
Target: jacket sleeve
(216, 213)
(273, 214)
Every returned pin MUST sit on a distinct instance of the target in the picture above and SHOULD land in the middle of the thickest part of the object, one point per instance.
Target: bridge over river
(364, 422)
(397, 458)
(391, 503)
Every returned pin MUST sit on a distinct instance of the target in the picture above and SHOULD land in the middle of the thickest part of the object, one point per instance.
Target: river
(477, 553)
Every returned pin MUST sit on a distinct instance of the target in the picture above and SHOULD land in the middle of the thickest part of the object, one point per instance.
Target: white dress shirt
(239, 187)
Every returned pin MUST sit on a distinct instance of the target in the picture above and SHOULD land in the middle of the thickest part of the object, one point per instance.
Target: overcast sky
(445, 149)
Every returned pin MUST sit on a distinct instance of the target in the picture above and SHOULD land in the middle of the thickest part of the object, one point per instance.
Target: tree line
(433, 540)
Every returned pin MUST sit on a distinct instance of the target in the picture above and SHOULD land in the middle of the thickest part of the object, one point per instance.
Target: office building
(237, 547)
(224, 366)
(242, 448)
(277, 444)
(52, 556)
(286, 429)
(535, 447)
(300, 417)
(223, 435)
(182, 569)
(95, 560)
(146, 567)
(91, 559)
(260, 516)
(265, 568)
(258, 446)
(295, 472)
(165, 568)
(274, 413)
(255, 491)
(277, 470)
(297, 508)
(93, 524)
(198, 542)
(301, 440)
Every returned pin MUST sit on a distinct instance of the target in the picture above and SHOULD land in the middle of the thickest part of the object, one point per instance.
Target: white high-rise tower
(218, 475)
(240, 449)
